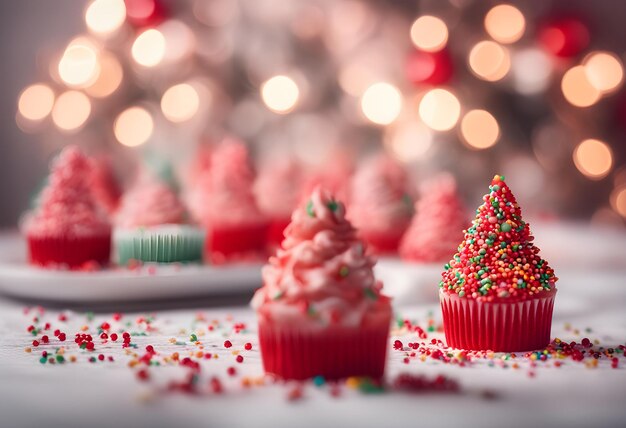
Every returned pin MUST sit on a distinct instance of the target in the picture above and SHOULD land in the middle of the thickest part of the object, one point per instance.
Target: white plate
(409, 283)
(151, 282)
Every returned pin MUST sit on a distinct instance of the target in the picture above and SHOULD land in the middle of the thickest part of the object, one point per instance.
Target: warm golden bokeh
(489, 61)
(505, 23)
(593, 158)
(280, 94)
(479, 129)
(429, 33)
(35, 102)
(439, 109)
(577, 89)
(133, 127)
(71, 110)
(104, 17)
(381, 103)
(110, 77)
(79, 65)
(149, 48)
(605, 71)
(180, 102)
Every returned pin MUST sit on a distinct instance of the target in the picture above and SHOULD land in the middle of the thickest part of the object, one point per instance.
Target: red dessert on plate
(497, 293)
(381, 207)
(321, 310)
(68, 229)
(278, 190)
(435, 230)
(226, 207)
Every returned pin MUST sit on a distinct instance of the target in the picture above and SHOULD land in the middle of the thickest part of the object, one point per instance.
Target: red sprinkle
(45, 339)
(62, 337)
(247, 346)
(113, 337)
(231, 371)
(143, 375)
(397, 345)
(227, 344)
(101, 357)
(239, 358)
(35, 343)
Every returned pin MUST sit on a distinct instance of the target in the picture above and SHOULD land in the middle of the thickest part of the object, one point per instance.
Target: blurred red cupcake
(68, 229)
(381, 206)
(321, 311)
(104, 185)
(224, 204)
(278, 189)
(436, 228)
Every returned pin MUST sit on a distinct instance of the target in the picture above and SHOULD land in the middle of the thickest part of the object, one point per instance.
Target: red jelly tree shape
(497, 258)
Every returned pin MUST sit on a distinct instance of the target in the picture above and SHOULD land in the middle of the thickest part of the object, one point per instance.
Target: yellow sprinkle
(172, 340)
(352, 382)
(215, 356)
(245, 382)
(28, 350)
(235, 352)
(199, 354)
(84, 328)
(72, 358)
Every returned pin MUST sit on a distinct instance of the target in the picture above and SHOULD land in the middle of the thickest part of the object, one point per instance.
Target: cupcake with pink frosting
(320, 309)
(381, 207)
(225, 205)
(151, 226)
(278, 190)
(435, 231)
(67, 229)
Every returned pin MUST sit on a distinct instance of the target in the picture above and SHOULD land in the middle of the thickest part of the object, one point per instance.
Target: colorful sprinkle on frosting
(497, 258)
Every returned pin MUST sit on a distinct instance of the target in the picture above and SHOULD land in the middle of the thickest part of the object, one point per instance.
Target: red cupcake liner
(276, 231)
(334, 353)
(497, 326)
(236, 242)
(380, 242)
(71, 252)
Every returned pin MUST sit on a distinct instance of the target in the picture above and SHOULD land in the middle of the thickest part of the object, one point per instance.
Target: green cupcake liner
(167, 244)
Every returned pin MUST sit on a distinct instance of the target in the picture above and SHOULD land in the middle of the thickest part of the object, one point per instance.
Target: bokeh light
(79, 65)
(593, 158)
(439, 109)
(110, 77)
(618, 200)
(505, 23)
(133, 127)
(280, 94)
(149, 48)
(180, 41)
(429, 33)
(381, 103)
(605, 71)
(409, 141)
(577, 89)
(489, 61)
(105, 16)
(480, 129)
(531, 70)
(180, 102)
(35, 102)
(71, 110)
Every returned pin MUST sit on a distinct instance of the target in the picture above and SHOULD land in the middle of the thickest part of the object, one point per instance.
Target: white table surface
(108, 394)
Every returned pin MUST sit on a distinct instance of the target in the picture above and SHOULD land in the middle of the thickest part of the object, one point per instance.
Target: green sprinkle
(193, 338)
(319, 381)
(371, 294)
(60, 359)
(309, 209)
(344, 271)
(43, 360)
(462, 293)
(332, 205)
(505, 227)
(278, 295)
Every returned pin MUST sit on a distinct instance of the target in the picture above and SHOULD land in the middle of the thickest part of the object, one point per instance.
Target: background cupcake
(224, 204)
(497, 293)
(151, 226)
(278, 190)
(321, 311)
(436, 228)
(380, 206)
(67, 229)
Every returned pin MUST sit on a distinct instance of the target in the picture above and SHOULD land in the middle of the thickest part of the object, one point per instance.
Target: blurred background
(532, 90)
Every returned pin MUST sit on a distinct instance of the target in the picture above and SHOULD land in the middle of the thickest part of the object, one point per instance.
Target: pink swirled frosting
(149, 202)
(67, 205)
(224, 195)
(279, 188)
(321, 275)
(436, 230)
(380, 197)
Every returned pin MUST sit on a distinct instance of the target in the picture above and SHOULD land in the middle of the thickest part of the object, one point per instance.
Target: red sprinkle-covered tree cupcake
(381, 207)
(435, 230)
(321, 311)
(497, 293)
(226, 207)
(67, 229)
